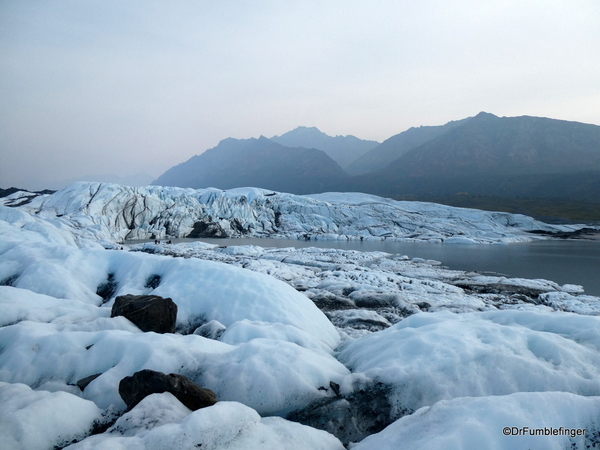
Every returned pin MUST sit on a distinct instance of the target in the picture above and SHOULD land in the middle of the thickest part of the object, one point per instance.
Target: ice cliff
(114, 212)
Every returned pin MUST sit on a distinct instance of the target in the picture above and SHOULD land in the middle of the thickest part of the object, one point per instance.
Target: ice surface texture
(113, 212)
(478, 360)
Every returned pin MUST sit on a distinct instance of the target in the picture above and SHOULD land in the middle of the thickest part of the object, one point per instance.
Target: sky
(112, 87)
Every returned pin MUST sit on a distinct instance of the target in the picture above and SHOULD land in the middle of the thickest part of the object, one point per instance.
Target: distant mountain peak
(342, 149)
(302, 131)
(484, 114)
(301, 127)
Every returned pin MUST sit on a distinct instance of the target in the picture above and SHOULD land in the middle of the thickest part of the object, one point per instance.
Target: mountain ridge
(257, 162)
(483, 155)
(506, 145)
(342, 149)
(397, 145)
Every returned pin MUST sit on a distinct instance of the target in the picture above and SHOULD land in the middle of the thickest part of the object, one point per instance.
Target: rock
(351, 417)
(108, 288)
(334, 387)
(370, 299)
(146, 382)
(148, 312)
(153, 281)
(207, 230)
(82, 384)
(327, 301)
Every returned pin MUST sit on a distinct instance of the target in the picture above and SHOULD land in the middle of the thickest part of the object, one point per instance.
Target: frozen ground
(357, 344)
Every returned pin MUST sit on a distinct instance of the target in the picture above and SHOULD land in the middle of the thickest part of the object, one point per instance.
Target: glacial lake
(562, 261)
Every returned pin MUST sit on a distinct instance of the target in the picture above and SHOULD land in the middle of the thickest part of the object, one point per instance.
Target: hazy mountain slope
(506, 146)
(342, 149)
(488, 155)
(583, 186)
(256, 162)
(396, 146)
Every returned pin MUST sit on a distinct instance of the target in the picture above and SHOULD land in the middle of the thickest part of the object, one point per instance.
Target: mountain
(342, 149)
(497, 156)
(487, 144)
(485, 160)
(256, 162)
(396, 146)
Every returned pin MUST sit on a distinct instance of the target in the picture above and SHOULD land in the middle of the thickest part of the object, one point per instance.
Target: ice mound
(18, 305)
(152, 411)
(226, 425)
(479, 423)
(272, 376)
(202, 290)
(430, 357)
(32, 420)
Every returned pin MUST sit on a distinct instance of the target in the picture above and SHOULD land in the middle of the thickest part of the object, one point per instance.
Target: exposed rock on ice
(140, 385)
(148, 312)
(351, 417)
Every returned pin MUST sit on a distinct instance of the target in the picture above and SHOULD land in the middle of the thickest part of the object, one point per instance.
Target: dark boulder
(351, 417)
(146, 382)
(148, 312)
(207, 230)
(107, 288)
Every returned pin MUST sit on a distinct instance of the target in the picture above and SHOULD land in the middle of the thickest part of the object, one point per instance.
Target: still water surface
(562, 261)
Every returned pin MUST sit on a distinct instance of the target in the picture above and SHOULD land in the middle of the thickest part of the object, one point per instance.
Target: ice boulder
(531, 420)
(226, 425)
(430, 357)
(202, 290)
(40, 420)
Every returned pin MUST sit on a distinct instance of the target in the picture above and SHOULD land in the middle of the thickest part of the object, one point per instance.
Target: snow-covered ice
(433, 357)
(38, 419)
(478, 423)
(226, 425)
(455, 355)
(113, 212)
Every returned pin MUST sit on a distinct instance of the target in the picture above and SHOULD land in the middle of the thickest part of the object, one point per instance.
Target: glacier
(116, 213)
(376, 350)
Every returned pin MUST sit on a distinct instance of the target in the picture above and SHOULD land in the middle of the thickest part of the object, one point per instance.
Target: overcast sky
(100, 87)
